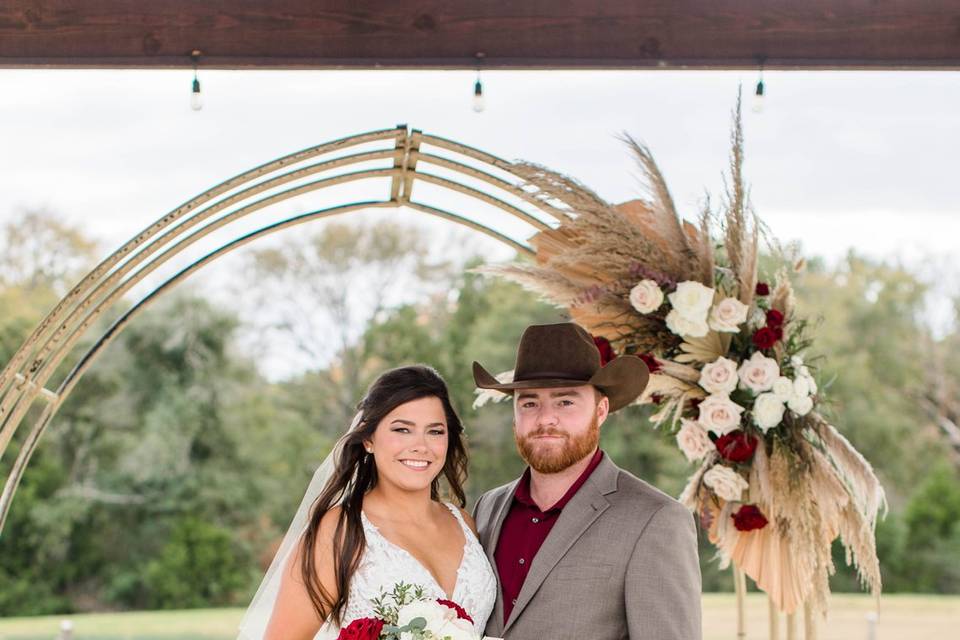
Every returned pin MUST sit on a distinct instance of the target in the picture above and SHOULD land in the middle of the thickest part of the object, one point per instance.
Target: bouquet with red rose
(407, 614)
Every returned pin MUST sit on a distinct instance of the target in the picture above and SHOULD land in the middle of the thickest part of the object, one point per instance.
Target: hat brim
(622, 380)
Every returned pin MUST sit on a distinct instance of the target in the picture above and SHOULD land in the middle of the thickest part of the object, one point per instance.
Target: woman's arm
(294, 617)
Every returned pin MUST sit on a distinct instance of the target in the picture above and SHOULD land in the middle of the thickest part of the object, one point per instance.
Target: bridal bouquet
(406, 614)
(775, 482)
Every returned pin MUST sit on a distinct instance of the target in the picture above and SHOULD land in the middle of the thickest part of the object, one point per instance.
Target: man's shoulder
(633, 492)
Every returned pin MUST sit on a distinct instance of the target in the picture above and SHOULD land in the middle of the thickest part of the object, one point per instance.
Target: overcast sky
(836, 160)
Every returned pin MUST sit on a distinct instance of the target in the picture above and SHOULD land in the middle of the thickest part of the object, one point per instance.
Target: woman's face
(409, 445)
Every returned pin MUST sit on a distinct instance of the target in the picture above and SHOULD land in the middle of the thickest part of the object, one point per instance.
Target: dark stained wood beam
(322, 34)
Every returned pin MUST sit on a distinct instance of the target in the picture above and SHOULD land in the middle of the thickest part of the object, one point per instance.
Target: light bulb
(758, 98)
(478, 103)
(195, 102)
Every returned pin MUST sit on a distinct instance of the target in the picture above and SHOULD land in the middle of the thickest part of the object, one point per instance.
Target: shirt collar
(522, 493)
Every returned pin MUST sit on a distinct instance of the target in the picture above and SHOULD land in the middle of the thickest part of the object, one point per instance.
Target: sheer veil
(255, 620)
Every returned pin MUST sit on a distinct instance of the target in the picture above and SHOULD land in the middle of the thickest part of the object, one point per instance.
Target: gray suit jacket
(620, 562)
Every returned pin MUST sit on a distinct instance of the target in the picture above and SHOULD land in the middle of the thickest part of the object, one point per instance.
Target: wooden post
(809, 622)
(740, 588)
(792, 626)
(774, 620)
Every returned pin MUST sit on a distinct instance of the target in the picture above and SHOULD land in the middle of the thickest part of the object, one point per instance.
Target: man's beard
(555, 459)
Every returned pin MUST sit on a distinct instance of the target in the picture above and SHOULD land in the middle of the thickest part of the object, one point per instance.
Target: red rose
(764, 338)
(362, 629)
(778, 332)
(461, 612)
(650, 361)
(774, 318)
(763, 289)
(606, 351)
(736, 446)
(748, 518)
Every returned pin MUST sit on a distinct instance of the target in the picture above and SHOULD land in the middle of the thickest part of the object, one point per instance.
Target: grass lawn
(902, 617)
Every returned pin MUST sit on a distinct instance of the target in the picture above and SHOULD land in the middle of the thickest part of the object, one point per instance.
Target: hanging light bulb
(478, 102)
(758, 94)
(195, 101)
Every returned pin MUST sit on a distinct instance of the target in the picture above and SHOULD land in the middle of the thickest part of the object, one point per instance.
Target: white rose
(455, 629)
(759, 373)
(768, 411)
(727, 315)
(684, 326)
(692, 299)
(433, 612)
(720, 414)
(782, 388)
(801, 387)
(796, 361)
(693, 440)
(725, 482)
(720, 376)
(800, 405)
(646, 296)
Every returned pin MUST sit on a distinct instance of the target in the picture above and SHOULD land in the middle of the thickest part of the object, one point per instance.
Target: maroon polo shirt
(523, 532)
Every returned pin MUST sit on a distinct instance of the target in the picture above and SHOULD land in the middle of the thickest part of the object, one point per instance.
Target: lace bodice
(384, 564)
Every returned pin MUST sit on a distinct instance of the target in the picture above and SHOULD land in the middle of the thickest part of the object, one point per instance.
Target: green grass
(902, 617)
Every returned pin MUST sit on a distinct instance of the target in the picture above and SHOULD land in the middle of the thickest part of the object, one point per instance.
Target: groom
(582, 548)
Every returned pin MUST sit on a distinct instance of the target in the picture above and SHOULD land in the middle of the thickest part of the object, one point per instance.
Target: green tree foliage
(169, 476)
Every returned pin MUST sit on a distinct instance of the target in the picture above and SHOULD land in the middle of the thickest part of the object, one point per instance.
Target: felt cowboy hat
(565, 355)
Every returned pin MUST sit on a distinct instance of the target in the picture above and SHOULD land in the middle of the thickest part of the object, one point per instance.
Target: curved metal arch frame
(23, 380)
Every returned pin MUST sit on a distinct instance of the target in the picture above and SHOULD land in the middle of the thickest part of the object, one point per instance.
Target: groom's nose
(547, 416)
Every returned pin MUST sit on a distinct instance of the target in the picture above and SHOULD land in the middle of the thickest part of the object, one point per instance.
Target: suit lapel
(583, 510)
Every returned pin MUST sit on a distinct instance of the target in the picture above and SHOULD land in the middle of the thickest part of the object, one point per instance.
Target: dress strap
(459, 516)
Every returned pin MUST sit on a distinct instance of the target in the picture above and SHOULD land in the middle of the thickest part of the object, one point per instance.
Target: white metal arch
(48, 348)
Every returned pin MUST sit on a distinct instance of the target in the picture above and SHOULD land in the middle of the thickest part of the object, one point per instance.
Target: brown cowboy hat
(565, 355)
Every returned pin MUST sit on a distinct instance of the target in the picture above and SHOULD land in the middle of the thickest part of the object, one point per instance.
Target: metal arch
(23, 380)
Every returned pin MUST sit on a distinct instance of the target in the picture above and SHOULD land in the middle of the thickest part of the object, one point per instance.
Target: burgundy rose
(763, 289)
(748, 518)
(606, 350)
(778, 332)
(764, 338)
(736, 446)
(461, 612)
(650, 361)
(774, 318)
(362, 629)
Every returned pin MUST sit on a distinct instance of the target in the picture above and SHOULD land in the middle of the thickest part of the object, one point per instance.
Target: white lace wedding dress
(384, 564)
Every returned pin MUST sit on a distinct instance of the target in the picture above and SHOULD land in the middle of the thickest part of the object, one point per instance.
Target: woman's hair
(355, 473)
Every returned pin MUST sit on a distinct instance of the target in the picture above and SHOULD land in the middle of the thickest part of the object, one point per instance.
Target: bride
(372, 517)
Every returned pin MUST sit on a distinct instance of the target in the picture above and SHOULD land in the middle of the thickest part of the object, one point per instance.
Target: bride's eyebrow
(413, 424)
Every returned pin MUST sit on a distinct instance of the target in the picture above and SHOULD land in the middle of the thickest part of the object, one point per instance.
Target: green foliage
(198, 566)
(172, 471)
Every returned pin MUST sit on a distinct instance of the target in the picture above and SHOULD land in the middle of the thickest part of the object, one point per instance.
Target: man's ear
(603, 409)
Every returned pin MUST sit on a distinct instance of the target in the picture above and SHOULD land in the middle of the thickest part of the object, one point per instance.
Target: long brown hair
(356, 473)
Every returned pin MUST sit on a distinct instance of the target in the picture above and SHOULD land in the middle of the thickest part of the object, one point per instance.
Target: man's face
(556, 428)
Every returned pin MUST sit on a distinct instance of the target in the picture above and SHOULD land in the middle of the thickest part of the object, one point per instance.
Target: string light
(758, 94)
(478, 100)
(195, 102)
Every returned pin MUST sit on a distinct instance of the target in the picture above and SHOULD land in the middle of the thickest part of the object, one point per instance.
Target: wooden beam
(323, 34)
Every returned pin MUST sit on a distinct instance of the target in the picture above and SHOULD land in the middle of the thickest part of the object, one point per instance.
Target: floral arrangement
(407, 614)
(775, 483)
